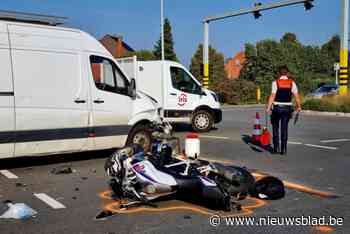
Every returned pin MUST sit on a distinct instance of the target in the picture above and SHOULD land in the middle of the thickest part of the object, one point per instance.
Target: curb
(242, 106)
(325, 113)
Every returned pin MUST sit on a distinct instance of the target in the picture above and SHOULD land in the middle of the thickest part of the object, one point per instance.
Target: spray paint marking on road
(334, 140)
(8, 174)
(49, 201)
(114, 207)
(322, 147)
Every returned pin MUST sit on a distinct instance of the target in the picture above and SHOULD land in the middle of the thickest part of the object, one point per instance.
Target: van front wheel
(142, 136)
(202, 121)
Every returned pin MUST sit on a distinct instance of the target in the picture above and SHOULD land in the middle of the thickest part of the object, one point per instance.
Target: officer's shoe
(275, 150)
(283, 150)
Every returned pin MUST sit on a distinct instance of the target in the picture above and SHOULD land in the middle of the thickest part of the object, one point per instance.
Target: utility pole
(256, 13)
(343, 75)
(162, 27)
(162, 52)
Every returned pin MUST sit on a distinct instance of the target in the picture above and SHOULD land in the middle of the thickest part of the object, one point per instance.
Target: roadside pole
(163, 56)
(258, 95)
(205, 81)
(336, 69)
(343, 75)
(162, 26)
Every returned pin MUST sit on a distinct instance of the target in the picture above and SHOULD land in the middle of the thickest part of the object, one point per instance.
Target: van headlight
(215, 97)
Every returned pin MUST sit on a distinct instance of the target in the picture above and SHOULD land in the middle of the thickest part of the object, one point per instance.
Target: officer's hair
(283, 71)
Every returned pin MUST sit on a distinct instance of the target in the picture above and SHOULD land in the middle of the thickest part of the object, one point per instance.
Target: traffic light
(257, 13)
(308, 5)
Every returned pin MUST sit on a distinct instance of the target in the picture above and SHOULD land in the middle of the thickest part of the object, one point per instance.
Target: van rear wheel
(142, 136)
(202, 121)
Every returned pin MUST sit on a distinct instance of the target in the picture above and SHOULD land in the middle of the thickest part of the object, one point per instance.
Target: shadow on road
(182, 127)
(21, 162)
(254, 146)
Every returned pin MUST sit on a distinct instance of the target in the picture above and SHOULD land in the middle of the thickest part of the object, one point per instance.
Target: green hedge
(329, 104)
(236, 92)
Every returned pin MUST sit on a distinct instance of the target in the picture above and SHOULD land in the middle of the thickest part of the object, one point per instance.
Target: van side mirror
(132, 89)
(202, 91)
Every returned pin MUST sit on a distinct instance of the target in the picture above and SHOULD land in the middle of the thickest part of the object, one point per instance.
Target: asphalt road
(318, 158)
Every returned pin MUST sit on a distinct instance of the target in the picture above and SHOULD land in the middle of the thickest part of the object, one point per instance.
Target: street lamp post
(343, 75)
(162, 27)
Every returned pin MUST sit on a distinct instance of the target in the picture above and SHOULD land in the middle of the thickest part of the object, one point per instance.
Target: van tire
(202, 121)
(141, 135)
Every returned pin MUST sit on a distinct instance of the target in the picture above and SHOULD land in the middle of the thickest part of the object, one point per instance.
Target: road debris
(21, 185)
(103, 215)
(62, 170)
(16, 211)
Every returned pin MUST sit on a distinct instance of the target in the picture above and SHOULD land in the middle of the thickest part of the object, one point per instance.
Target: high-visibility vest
(284, 90)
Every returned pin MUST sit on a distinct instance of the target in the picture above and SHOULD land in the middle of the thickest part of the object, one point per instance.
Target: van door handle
(98, 101)
(173, 94)
(79, 101)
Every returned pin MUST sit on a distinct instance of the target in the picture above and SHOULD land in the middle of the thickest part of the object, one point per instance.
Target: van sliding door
(7, 114)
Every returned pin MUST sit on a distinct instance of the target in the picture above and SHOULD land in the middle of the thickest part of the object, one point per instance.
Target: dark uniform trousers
(280, 117)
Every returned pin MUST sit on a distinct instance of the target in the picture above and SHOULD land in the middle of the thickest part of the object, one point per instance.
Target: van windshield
(182, 81)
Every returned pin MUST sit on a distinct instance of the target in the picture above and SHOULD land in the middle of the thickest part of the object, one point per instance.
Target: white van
(181, 96)
(61, 91)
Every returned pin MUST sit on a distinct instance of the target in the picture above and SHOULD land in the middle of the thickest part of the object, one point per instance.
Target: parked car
(177, 91)
(324, 90)
(61, 91)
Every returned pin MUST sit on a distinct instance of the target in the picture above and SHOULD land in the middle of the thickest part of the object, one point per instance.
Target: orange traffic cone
(256, 137)
(265, 138)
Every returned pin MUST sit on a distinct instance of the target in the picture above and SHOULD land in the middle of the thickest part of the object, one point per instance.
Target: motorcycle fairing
(148, 173)
(207, 182)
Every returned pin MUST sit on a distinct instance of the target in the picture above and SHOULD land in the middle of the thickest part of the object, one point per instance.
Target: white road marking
(214, 137)
(49, 201)
(334, 140)
(294, 143)
(322, 147)
(8, 174)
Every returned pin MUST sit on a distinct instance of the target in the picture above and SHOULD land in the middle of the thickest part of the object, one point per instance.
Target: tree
(142, 55)
(332, 48)
(309, 65)
(216, 66)
(289, 38)
(169, 53)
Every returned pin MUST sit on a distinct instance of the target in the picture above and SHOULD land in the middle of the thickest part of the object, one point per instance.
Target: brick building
(233, 66)
(115, 45)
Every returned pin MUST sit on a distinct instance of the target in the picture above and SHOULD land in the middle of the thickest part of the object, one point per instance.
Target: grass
(329, 104)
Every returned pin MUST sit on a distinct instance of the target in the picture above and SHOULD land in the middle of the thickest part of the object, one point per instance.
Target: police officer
(282, 107)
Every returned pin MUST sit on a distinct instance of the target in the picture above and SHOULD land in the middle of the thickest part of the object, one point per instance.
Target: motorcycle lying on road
(143, 178)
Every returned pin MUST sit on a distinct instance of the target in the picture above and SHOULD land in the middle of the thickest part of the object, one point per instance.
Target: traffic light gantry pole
(255, 11)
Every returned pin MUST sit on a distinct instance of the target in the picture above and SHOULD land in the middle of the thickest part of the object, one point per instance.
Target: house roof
(126, 46)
